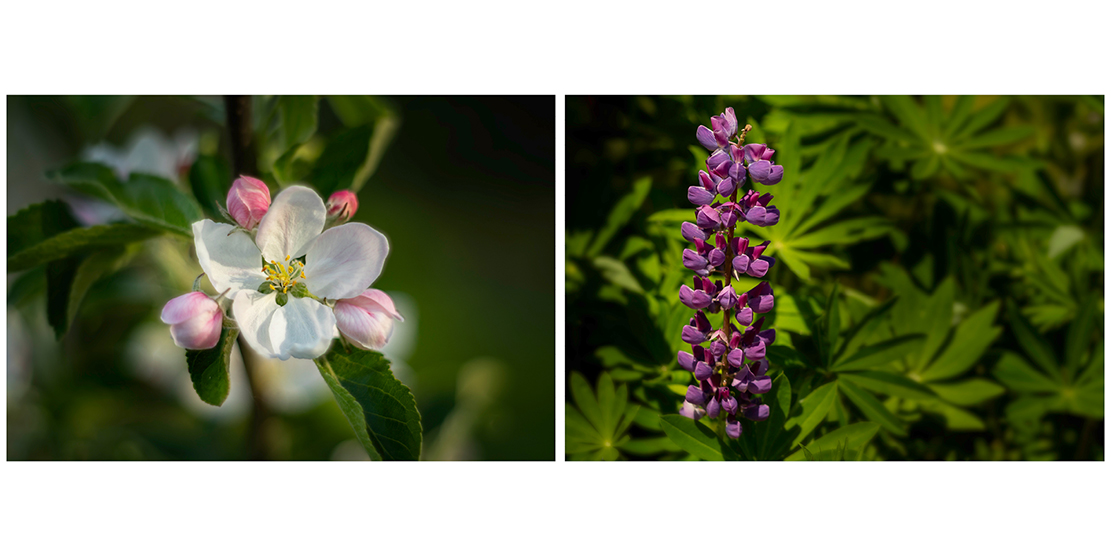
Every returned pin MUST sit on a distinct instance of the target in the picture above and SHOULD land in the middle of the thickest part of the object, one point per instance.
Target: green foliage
(152, 201)
(597, 424)
(209, 368)
(379, 407)
(906, 225)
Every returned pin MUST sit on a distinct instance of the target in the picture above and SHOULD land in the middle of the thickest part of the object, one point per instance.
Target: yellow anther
(302, 275)
(287, 257)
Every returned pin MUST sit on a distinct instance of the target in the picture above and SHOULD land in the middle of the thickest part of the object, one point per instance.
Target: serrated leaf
(75, 241)
(63, 300)
(693, 437)
(379, 407)
(152, 201)
(872, 408)
(208, 368)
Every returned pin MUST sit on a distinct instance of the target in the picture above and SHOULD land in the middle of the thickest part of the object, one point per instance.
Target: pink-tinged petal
(303, 328)
(185, 307)
(730, 121)
(293, 221)
(248, 201)
(200, 332)
(343, 204)
(254, 312)
(368, 330)
(228, 256)
(374, 300)
(345, 260)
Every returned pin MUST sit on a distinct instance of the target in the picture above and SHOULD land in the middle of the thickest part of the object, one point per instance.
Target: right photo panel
(827, 278)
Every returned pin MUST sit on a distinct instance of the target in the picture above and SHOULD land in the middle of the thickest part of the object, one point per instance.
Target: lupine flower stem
(732, 371)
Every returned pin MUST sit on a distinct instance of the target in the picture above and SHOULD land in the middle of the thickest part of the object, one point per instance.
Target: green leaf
(1064, 237)
(210, 178)
(1032, 343)
(936, 319)
(298, 116)
(970, 341)
(585, 400)
(1019, 376)
(769, 440)
(66, 289)
(209, 368)
(693, 437)
(969, 392)
(1002, 136)
(983, 118)
(888, 383)
(34, 224)
(1079, 337)
(379, 407)
(956, 419)
(74, 242)
(815, 407)
(872, 408)
(833, 325)
(862, 331)
(351, 157)
(153, 201)
(879, 354)
(620, 215)
(617, 273)
(649, 446)
(850, 437)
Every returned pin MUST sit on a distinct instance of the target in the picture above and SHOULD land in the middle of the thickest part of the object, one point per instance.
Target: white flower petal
(345, 260)
(368, 330)
(230, 261)
(254, 313)
(303, 329)
(295, 217)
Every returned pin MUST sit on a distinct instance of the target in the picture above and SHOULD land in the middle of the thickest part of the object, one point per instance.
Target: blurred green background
(939, 276)
(463, 187)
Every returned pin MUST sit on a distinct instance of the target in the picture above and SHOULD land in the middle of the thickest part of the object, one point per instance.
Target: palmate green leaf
(982, 118)
(152, 201)
(379, 407)
(1031, 342)
(968, 392)
(615, 272)
(1079, 337)
(815, 407)
(862, 331)
(892, 384)
(970, 340)
(208, 368)
(849, 438)
(695, 438)
(935, 318)
(604, 418)
(650, 446)
(1002, 136)
(879, 354)
(1019, 376)
(909, 114)
(872, 408)
(956, 419)
(620, 215)
(832, 326)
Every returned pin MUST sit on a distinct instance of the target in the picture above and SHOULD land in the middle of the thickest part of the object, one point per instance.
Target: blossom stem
(238, 109)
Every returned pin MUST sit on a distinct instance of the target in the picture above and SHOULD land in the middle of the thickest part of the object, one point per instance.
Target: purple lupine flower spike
(732, 371)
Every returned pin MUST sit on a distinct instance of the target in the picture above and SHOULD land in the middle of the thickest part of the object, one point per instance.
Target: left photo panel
(277, 277)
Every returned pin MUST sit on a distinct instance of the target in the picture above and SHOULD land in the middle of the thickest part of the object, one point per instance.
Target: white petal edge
(294, 219)
(254, 312)
(303, 329)
(344, 261)
(230, 261)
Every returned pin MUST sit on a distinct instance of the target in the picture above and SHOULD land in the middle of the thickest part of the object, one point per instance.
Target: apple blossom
(281, 281)
(367, 319)
(195, 320)
(248, 201)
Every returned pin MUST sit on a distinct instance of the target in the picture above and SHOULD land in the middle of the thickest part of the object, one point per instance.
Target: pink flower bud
(342, 205)
(367, 320)
(195, 320)
(248, 200)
